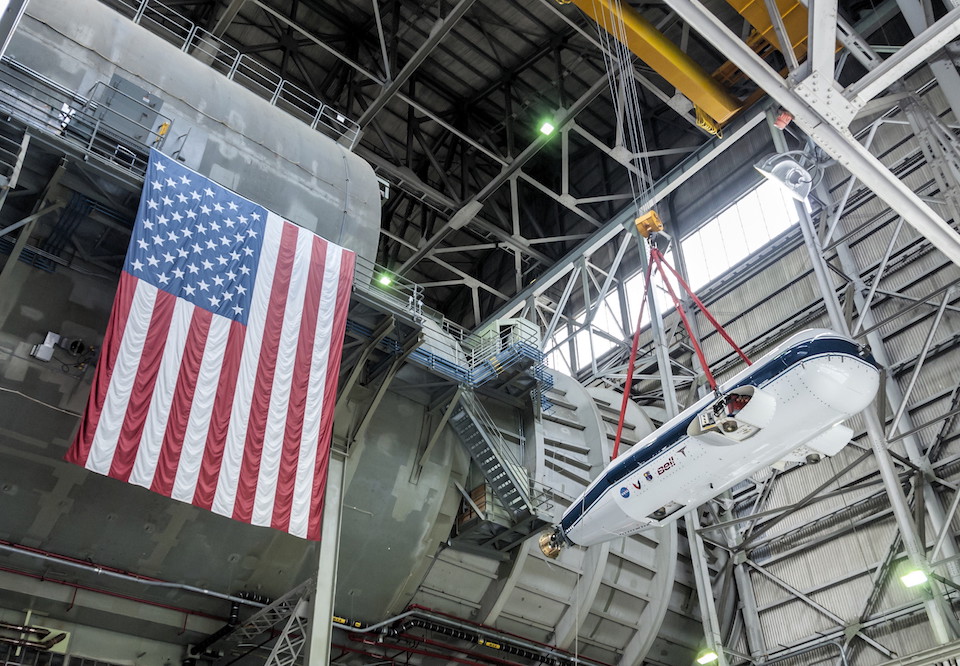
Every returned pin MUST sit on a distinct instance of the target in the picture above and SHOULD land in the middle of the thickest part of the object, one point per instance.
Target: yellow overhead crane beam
(793, 14)
(665, 57)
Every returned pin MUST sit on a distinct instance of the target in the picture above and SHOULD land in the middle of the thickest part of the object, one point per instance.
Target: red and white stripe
(236, 419)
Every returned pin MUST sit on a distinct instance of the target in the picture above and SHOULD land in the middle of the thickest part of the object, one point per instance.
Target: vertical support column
(321, 602)
(936, 613)
(659, 343)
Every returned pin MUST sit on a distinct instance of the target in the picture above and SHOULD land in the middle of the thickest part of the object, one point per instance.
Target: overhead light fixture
(788, 173)
(913, 578)
(546, 128)
(707, 657)
(385, 280)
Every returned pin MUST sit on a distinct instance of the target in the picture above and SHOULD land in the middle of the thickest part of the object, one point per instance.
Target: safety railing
(86, 121)
(447, 348)
(244, 70)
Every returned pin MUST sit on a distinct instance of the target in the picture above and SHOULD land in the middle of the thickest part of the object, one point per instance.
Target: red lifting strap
(657, 259)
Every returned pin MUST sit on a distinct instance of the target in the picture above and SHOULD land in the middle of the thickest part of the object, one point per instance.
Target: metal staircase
(285, 618)
(508, 479)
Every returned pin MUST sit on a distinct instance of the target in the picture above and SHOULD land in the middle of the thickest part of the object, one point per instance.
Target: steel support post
(894, 396)
(875, 431)
(701, 572)
(322, 599)
(820, 110)
(660, 346)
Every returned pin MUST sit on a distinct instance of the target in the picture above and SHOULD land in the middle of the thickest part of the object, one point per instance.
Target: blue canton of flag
(196, 240)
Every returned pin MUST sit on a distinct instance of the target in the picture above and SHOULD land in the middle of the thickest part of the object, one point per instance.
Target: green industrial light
(546, 128)
(707, 657)
(913, 578)
(385, 280)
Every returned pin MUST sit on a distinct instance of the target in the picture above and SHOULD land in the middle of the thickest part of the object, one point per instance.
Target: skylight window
(714, 248)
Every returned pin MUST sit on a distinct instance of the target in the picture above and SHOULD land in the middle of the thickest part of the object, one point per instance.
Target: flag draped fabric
(217, 375)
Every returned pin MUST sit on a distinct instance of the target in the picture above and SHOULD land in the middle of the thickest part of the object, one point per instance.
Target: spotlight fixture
(546, 128)
(913, 578)
(788, 173)
(707, 657)
(385, 280)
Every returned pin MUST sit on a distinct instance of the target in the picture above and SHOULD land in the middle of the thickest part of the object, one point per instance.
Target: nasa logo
(624, 493)
(665, 466)
(648, 476)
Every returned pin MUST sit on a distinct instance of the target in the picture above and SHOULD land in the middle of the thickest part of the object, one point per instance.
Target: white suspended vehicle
(788, 406)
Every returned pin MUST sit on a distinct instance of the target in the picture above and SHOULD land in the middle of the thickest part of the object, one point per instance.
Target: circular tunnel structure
(424, 532)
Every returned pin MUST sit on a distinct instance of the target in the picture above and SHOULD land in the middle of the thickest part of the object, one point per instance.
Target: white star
(240, 238)
(217, 280)
(153, 261)
(195, 195)
(189, 290)
(224, 240)
(245, 270)
(203, 285)
(147, 224)
(227, 295)
(191, 214)
(166, 201)
(208, 192)
(196, 247)
(231, 275)
(183, 254)
(193, 268)
(205, 209)
(157, 185)
(214, 301)
(237, 310)
(162, 219)
(172, 235)
(211, 245)
(167, 257)
(152, 205)
(158, 240)
(137, 265)
(142, 243)
(251, 233)
(182, 198)
(217, 207)
(162, 277)
(185, 232)
(184, 180)
(175, 216)
(235, 255)
(241, 289)
(177, 273)
(248, 251)
(171, 182)
(231, 205)
(222, 259)
(206, 264)
(161, 166)
(214, 226)
(229, 222)
(255, 216)
(202, 228)
(243, 219)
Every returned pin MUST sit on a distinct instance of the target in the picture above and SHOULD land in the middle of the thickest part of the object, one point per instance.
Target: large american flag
(218, 371)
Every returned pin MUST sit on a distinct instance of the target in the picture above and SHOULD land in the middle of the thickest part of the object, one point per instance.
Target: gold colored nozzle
(549, 545)
(649, 223)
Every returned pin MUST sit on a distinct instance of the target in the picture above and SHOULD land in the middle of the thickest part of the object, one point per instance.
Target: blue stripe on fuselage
(798, 353)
